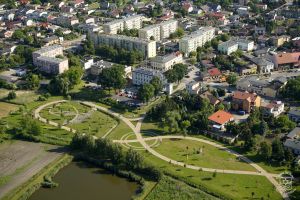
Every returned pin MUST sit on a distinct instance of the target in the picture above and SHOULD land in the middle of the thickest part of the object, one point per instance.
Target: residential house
(165, 63)
(219, 119)
(140, 76)
(260, 30)
(293, 141)
(248, 69)
(245, 45)
(213, 74)
(228, 47)
(280, 40)
(97, 67)
(263, 65)
(193, 87)
(210, 97)
(245, 101)
(294, 114)
(273, 109)
(286, 60)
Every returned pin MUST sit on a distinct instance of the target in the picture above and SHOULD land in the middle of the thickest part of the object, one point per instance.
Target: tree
(18, 34)
(146, 92)
(88, 46)
(59, 85)
(284, 123)
(225, 37)
(231, 78)
(263, 127)
(277, 150)
(171, 121)
(265, 150)
(74, 75)
(185, 124)
(116, 154)
(157, 84)
(11, 95)
(32, 81)
(113, 77)
(133, 159)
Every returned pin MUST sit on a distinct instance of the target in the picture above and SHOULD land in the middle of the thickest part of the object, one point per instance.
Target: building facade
(140, 76)
(197, 39)
(132, 22)
(228, 47)
(165, 63)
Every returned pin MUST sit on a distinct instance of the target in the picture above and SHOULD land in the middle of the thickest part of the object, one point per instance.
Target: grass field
(211, 157)
(6, 108)
(170, 189)
(231, 186)
(119, 131)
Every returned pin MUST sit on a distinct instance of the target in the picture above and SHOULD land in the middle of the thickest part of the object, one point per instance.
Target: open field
(201, 154)
(231, 186)
(21, 160)
(6, 108)
(170, 189)
(23, 96)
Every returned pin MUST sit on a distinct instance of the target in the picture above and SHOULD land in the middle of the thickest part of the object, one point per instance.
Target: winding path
(136, 129)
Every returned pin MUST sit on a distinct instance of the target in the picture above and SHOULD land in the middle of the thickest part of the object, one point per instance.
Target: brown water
(80, 181)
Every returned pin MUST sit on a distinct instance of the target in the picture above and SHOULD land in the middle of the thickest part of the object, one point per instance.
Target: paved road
(136, 129)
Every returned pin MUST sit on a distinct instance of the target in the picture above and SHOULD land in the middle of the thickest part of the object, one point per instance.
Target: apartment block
(164, 63)
(47, 61)
(228, 47)
(196, 39)
(148, 48)
(132, 22)
(159, 31)
(140, 76)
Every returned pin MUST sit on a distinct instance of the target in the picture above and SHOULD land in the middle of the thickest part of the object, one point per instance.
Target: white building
(228, 47)
(140, 76)
(245, 45)
(47, 61)
(132, 22)
(159, 31)
(193, 87)
(273, 109)
(164, 63)
(147, 48)
(196, 39)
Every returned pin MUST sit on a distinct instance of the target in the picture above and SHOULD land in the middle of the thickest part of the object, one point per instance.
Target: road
(22, 160)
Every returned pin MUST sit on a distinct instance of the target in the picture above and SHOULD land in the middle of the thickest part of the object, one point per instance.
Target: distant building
(286, 60)
(196, 39)
(278, 41)
(228, 47)
(193, 87)
(47, 60)
(147, 48)
(245, 101)
(294, 114)
(293, 142)
(263, 65)
(140, 76)
(164, 63)
(97, 67)
(273, 109)
(245, 45)
(132, 22)
(213, 74)
(159, 31)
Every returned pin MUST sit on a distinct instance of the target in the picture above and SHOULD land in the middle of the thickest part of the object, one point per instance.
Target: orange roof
(245, 95)
(221, 117)
(284, 58)
(214, 72)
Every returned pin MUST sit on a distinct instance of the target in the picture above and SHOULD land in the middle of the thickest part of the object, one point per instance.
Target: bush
(11, 95)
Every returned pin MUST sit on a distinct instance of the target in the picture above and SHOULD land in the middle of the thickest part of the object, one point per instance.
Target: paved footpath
(136, 129)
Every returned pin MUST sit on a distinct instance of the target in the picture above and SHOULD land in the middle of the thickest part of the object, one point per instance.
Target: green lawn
(119, 131)
(230, 186)
(170, 189)
(211, 157)
(6, 108)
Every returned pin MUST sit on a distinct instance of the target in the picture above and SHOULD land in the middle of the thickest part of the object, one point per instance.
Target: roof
(245, 95)
(214, 72)
(293, 144)
(294, 133)
(284, 58)
(294, 111)
(221, 117)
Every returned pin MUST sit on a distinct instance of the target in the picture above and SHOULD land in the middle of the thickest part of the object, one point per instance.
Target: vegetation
(176, 73)
(113, 77)
(292, 89)
(132, 32)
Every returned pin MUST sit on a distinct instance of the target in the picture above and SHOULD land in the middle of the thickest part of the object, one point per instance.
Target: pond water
(81, 181)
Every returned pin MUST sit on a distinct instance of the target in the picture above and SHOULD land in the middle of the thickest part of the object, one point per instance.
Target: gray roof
(294, 133)
(293, 144)
(294, 111)
(261, 61)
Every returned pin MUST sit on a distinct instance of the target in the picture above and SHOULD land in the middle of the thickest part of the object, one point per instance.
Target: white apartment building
(147, 48)
(164, 63)
(159, 31)
(45, 59)
(228, 47)
(245, 45)
(140, 76)
(120, 24)
(193, 87)
(196, 39)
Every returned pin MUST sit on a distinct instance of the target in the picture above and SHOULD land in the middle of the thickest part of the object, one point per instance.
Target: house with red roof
(286, 60)
(219, 119)
(245, 101)
(213, 74)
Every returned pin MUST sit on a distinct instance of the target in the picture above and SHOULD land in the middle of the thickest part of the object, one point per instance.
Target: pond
(80, 180)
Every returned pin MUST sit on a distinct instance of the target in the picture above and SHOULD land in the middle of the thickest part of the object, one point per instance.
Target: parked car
(241, 112)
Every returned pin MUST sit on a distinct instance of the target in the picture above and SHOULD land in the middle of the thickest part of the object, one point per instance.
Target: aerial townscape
(149, 99)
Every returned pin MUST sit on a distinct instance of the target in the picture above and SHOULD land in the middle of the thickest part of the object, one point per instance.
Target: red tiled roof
(285, 58)
(245, 95)
(214, 72)
(221, 117)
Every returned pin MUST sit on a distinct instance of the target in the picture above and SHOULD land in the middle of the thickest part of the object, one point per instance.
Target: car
(241, 112)
(187, 76)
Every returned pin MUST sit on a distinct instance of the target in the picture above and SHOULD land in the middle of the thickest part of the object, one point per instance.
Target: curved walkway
(136, 129)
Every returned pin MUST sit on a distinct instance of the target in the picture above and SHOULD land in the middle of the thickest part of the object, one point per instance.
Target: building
(245, 45)
(293, 142)
(147, 48)
(286, 60)
(210, 97)
(97, 67)
(248, 69)
(263, 65)
(273, 109)
(66, 21)
(193, 87)
(294, 114)
(213, 74)
(245, 101)
(228, 47)
(165, 63)
(132, 22)
(196, 39)
(140, 76)
(47, 60)
(278, 41)
(219, 119)
(159, 31)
